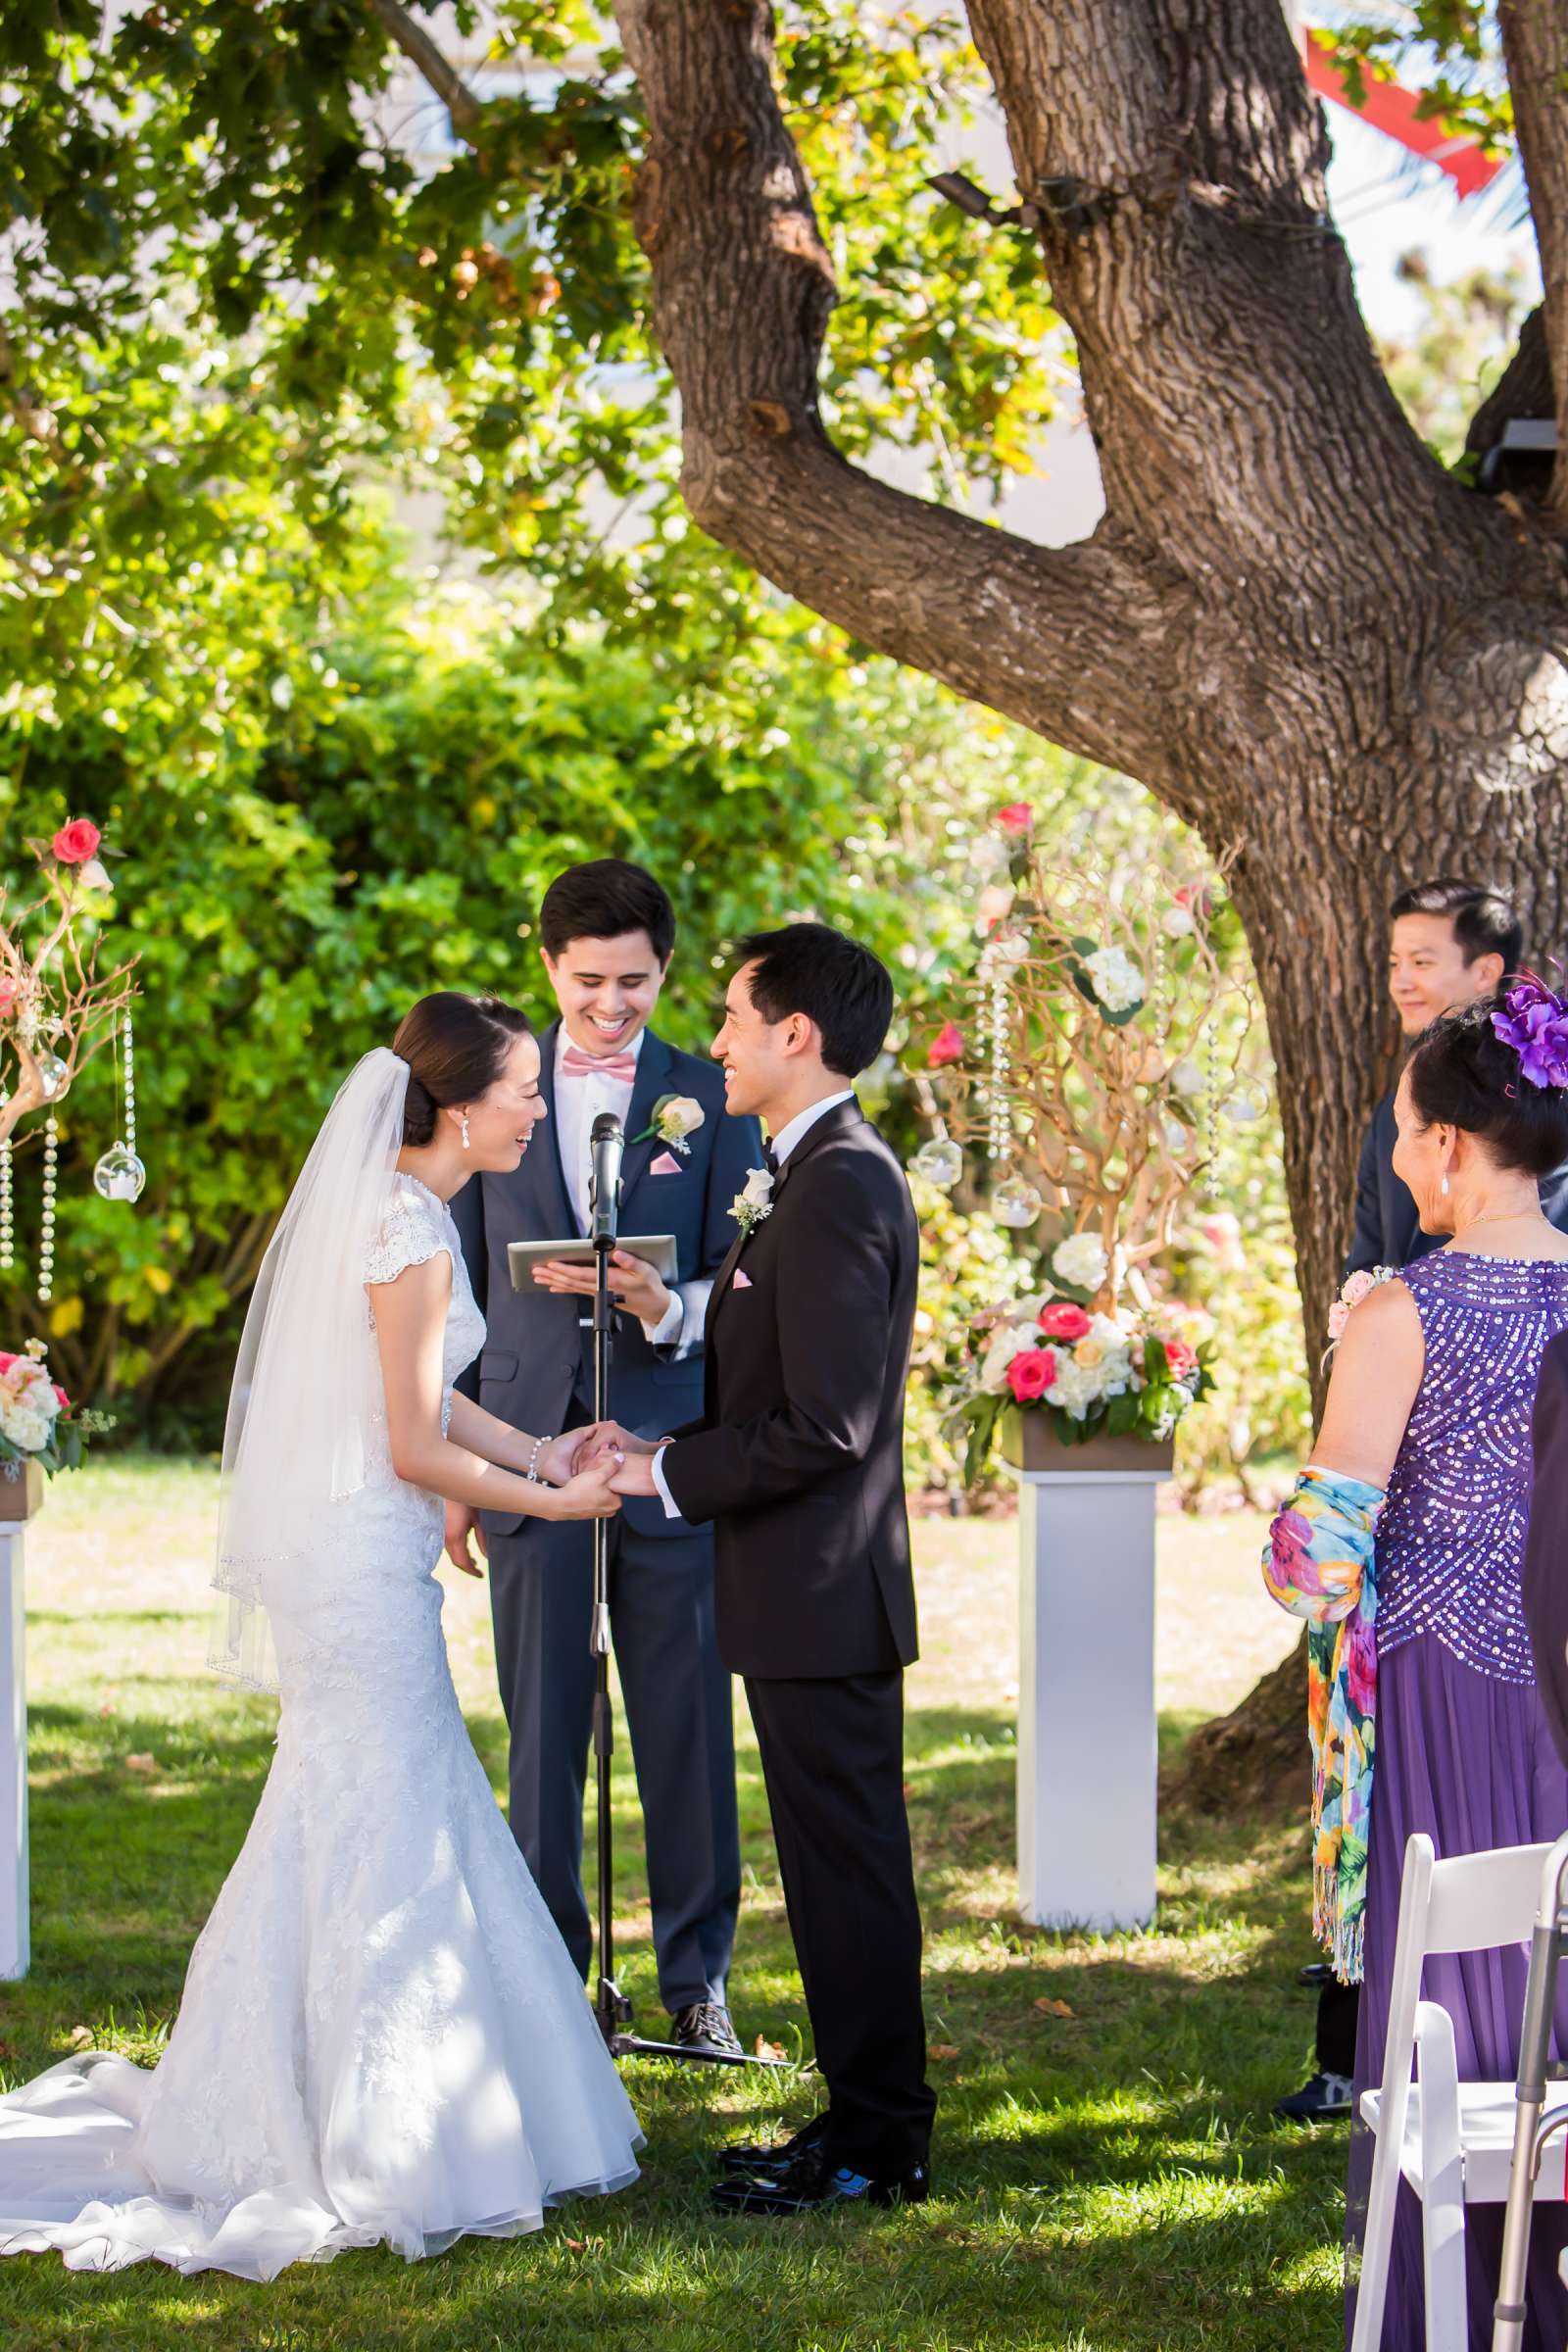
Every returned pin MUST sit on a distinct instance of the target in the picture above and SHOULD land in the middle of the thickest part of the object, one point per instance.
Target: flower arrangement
(1110, 1036)
(1354, 1288)
(1121, 1371)
(39, 1423)
(57, 1012)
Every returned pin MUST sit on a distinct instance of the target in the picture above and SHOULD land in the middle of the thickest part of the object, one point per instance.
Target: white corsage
(675, 1117)
(750, 1206)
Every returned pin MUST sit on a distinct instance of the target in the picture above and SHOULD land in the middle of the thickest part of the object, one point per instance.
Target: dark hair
(838, 984)
(1462, 1075)
(1484, 921)
(604, 900)
(456, 1047)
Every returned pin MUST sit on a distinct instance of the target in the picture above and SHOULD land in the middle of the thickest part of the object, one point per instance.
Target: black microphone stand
(611, 2007)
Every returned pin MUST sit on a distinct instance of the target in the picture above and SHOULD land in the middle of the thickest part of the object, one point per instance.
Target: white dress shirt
(578, 1102)
(793, 1132)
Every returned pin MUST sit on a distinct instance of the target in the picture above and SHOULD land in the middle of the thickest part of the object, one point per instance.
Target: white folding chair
(1452, 2142)
(1537, 2118)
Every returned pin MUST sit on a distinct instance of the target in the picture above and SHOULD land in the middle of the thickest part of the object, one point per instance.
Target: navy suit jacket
(536, 1355)
(1386, 1231)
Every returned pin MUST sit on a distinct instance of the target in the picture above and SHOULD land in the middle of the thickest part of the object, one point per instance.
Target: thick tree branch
(465, 110)
(1534, 47)
(1064, 640)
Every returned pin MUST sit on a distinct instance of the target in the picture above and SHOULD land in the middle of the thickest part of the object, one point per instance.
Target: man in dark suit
(608, 932)
(1450, 941)
(797, 1459)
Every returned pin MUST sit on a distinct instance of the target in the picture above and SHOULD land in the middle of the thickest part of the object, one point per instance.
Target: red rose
(1017, 818)
(1031, 1373)
(65, 1401)
(1064, 1321)
(6, 1362)
(76, 842)
(1180, 1358)
(948, 1046)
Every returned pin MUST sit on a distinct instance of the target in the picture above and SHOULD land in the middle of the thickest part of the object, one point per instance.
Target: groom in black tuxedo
(799, 1462)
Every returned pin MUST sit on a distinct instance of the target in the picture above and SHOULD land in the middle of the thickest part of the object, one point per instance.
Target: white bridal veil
(307, 1382)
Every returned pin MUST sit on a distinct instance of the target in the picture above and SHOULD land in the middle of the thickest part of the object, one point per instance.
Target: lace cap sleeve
(412, 1231)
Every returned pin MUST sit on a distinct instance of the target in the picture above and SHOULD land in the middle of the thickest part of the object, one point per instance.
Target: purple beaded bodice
(1450, 1540)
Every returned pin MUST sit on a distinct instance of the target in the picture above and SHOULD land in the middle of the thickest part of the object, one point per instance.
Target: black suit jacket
(1386, 1231)
(798, 1458)
(1546, 1569)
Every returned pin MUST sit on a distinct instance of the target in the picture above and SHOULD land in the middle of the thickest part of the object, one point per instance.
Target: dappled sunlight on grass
(1107, 2175)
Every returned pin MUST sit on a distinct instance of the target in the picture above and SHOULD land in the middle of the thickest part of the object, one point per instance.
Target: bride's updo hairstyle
(456, 1047)
(1463, 1075)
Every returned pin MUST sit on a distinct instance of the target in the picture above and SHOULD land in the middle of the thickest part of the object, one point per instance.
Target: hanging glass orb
(1187, 1077)
(939, 1162)
(54, 1075)
(1016, 1203)
(1177, 1138)
(118, 1175)
(1247, 1102)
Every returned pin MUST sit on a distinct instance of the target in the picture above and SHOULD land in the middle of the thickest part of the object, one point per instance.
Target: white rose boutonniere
(675, 1117)
(750, 1206)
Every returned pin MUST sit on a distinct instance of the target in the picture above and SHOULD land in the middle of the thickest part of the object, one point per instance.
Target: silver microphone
(608, 1141)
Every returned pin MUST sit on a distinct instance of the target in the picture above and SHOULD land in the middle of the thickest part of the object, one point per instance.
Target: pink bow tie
(576, 1064)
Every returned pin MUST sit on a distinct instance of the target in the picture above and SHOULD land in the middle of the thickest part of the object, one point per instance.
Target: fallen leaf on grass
(141, 1763)
(943, 2049)
(764, 2049)
(1049, 2008)
(79, 2038)
(577, 2245)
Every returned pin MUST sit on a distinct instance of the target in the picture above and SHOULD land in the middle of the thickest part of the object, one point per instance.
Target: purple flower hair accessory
(1535, 1022)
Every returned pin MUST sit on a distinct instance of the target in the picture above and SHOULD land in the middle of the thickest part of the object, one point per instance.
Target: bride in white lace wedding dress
(381, 2037)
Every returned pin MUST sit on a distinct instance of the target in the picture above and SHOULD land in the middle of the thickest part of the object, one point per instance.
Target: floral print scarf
(1318, 1563)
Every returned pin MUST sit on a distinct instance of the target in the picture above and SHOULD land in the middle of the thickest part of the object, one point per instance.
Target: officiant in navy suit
(608, 932)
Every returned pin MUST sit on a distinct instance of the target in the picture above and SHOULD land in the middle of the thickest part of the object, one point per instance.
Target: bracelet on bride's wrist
(539, 1446)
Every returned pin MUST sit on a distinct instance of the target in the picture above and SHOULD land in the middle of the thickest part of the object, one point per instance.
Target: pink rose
(65, 1401)
(76, 842)
(1062, 1320)
(996, 900)
(1181, 1358)
(1338, 1316)
(1357, 1286)
(6, 1362)
(1017, 818)
(1031, 1373)
(947, 1047)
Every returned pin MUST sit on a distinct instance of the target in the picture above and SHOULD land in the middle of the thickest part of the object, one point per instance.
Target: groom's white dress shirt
(789, 1135)
(578, 1102)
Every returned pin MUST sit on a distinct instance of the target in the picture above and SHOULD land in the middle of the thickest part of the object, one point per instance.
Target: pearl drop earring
(1445, 1188)
(466, 1140)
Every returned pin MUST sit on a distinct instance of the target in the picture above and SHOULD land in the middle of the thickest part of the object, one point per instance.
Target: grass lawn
(1109, 2176)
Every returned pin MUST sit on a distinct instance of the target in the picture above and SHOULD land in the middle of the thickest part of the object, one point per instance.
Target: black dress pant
(833, 1761)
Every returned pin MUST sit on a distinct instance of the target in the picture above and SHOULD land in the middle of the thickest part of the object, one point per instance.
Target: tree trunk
(1293, 625)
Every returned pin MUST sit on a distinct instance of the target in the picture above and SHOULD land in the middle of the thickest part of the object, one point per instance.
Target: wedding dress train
(382, 2036)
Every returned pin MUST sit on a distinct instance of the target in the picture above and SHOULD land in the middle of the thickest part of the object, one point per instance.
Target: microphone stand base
(614, 2012)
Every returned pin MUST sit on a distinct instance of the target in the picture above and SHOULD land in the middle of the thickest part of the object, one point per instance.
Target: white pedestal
(14, 1955)
(1087, 1732)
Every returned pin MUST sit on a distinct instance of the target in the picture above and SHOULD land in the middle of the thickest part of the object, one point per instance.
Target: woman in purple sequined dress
(1431, 1397)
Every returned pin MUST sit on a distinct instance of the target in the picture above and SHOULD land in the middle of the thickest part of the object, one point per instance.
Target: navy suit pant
(680, 1713)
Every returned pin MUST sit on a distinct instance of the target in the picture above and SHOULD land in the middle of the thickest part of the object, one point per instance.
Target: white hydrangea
(1118, 982)
(1073, 1390)
(1081, 1261)
(26, 1427)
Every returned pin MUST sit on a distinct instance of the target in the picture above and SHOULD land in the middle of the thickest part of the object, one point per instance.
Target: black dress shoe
(813, 2183)
(773, 2156)
(704, 2027)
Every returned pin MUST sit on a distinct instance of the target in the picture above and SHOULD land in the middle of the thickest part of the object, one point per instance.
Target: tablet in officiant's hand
(655, 1250)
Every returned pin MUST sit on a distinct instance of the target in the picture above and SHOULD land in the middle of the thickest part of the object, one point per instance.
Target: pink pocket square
(667, 1164)
(742, 1282)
